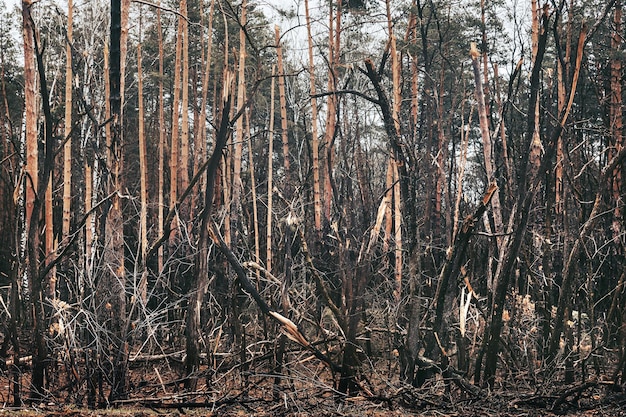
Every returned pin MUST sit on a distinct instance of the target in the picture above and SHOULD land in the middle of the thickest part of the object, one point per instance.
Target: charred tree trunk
(116, 296)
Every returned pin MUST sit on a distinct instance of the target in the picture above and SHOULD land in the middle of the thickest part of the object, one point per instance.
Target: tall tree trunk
(143, 174)
(116, 286)
(331, 108)
(255, 209)
(30, 106)
(237, 154)
(67, 149)
(617, 123)
(162, 144)
(201, 138)
(38, 276)
(283, 109)
(175, 145)
(67, 158)
(31, 200)
(270, 177)
(317, 193)
(489, 159)
(50, 244)
(490, 167)
(184, 131)
(395, 112)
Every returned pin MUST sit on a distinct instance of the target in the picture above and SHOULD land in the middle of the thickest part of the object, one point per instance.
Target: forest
(307, 207)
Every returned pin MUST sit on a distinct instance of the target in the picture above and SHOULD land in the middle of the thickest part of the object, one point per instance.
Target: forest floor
(493, 405)
(591, 399)
(306, 389)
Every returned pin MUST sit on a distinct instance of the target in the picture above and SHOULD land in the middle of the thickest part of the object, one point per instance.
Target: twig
(574, 390)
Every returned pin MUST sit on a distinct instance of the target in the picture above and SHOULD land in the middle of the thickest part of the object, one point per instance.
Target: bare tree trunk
(331, 109)
(184, 131)
(617, 123)
(31, 106)
(116, 297)
(38, 276)
(317, 192)
(537, 147)
(175, 145)
(67, 149)
(395, 112)
(490, 167)
(143, 174)
(283, 108)
(270, 177)
(201, 139)
(31, 200)
(237, 154)
(67, 161)
(255, 209)
(50, 244)
(162, 144)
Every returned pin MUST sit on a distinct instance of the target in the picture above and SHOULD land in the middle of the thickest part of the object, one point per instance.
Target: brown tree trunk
(31, 106)
(67, 149)
(237, 154)
(617, 123)
(184, 131)
(270, 177)
(143, 174)
(162, 145)
(317, 192)
(283, 108)
(175, 145)
(334, 29)
(32, 203)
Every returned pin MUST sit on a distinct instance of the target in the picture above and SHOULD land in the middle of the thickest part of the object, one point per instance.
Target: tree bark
(174, 144)
(270, 178)
(317, 192)
(115, 291)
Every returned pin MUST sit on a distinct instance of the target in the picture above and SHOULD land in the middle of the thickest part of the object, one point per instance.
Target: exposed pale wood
(395, 109)
(537, 146)
(397, 221)
(388, 199)
(288, 326)
(382, 212)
